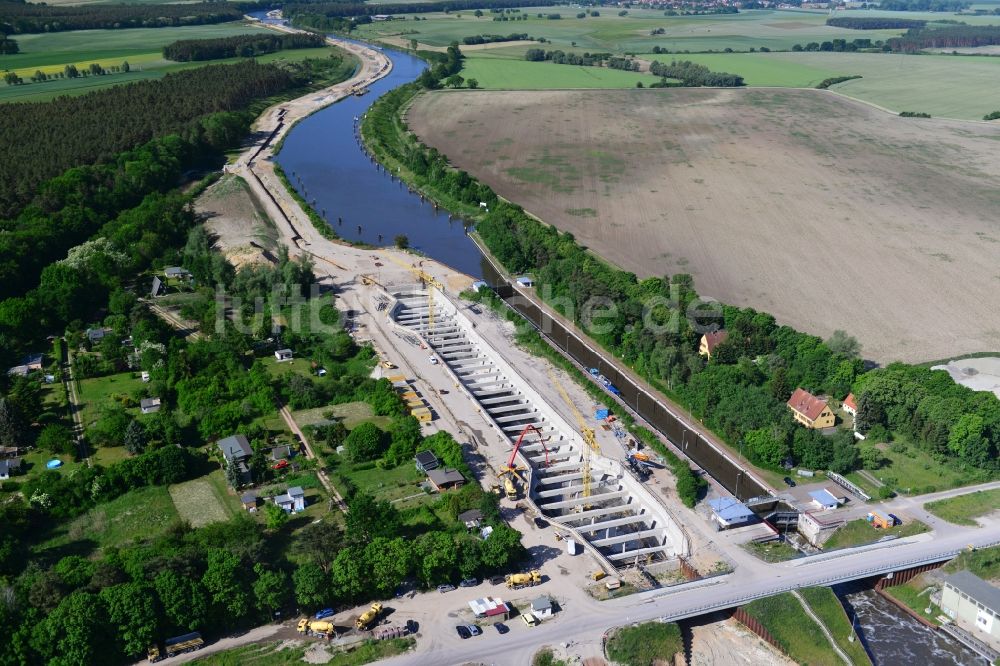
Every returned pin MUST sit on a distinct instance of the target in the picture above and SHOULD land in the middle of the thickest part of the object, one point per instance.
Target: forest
(693, 74)
(244, 46)
(874, 23)
(489, 39)
(20, 17)
(958, 36)
(67, 209)
(586, 59)
(924, 5)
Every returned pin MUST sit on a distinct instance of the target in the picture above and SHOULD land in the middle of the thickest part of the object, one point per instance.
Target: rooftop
(976, 588)
(715, 338)
(235, 446)
(805, 403)
(541, 603)
(488, 606)
(824, 496)
(730, 510)
(440, 477)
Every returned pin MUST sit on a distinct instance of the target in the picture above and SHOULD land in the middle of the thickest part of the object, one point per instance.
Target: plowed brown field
(825, 212)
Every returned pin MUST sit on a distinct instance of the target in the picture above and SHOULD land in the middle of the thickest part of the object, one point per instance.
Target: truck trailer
(175, 646)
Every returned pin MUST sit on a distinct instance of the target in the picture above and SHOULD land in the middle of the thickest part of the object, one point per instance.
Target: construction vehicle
(368, 617)
(589, 439)
(388, 365)
(175, 646)
(321, 628)
(511, 471)
(529, 579)
(597, 575)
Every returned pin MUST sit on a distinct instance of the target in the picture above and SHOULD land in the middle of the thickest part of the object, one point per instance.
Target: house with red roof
(850, 405)
(810, 411)
(710, 341)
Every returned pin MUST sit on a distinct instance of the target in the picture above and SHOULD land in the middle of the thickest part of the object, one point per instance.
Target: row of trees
(924, 5)
(959, 36)
(586, 59)
(874, 23)
(22, 17)
(842, 45)
(328, 9)
(244, 46)
(489, 39)
(694, 74)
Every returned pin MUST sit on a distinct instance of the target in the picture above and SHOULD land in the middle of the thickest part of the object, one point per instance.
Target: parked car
(497, 580)
(463, 631)
(445, 588)
(474, 630)
(433, 360)
(469, 582)
(326, 612)
(501, 628)
(281, 464)
(789, 482)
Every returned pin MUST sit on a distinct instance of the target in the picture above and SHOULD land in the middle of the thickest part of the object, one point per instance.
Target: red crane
(511, 470)
(520, 438)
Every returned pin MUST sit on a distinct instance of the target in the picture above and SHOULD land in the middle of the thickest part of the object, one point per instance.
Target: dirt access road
(822, 211)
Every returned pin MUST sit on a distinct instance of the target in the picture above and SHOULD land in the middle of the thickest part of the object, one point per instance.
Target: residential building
(810, 411)
(283, 452)
(30, 363)
(472, 518)
(426, 461)
(236, 450)
(443, 479)
(9, 466)
(525, 281)
(541, 607)
(974, 605)
(249, 501)
(149, 405)
(729, 512)
(824, 499)
(850, 405)
(293, 501)
(283, 355)
(97, 334)
(158, 287)
(710, 341)
(176, 273)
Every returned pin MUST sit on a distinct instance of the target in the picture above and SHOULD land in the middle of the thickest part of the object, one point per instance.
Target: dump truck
(175, 646)
(368, 617)
(529, 579)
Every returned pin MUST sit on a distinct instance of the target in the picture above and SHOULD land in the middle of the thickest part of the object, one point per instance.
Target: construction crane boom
(510, 471)
(589, 437)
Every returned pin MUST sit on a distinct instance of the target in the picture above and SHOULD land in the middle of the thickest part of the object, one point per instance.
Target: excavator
(511, 471)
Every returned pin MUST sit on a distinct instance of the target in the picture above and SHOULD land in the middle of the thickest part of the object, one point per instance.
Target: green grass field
(915, 472)
(772, 551)
(142, 48)
(280, 654)
(390, 484)
(351, 413)
(860, 533)
(786, 620)
(963, 510)
(139, 514)
(204, 500)
(497, 73)
(652, 642)
(761, 69)
(984, 563)
(828, 609)
(915, 594)
(103, 391)
(774, 29)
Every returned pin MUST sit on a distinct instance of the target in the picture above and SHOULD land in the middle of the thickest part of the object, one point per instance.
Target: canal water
(894, 638)
(323, 158)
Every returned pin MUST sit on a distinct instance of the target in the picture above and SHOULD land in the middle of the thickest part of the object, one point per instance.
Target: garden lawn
(860, 532)
(277, 654)
(964, 509)
(391, 484)
(204, 500)
(984, 563)
(800, 637)
(829, 610)
(352, 414)
(101, 391)
(916, 473)
(772, 551)
(144, 513)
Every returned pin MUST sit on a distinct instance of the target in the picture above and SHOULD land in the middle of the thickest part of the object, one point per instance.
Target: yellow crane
(589, 437)
(430, 284)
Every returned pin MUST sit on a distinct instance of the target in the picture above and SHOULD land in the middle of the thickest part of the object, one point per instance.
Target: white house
(850, 405)
(293, 501)
(525, 281)
(541, 607)
(283, 355)
(824, 499)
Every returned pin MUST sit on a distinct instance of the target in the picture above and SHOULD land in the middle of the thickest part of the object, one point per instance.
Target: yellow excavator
(511, 470)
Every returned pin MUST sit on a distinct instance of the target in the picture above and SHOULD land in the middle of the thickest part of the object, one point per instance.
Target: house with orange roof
(850, 405)
(810, 411)
(710, 341)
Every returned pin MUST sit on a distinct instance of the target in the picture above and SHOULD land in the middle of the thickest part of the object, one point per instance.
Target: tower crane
(511, 470)
(589, 437)
(429, 282)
